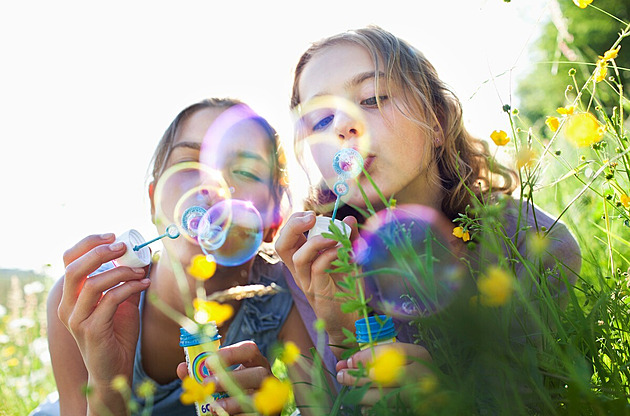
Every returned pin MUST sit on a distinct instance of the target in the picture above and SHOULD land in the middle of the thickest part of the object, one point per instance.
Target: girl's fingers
(292, 237)
(78, 270)
(247, 378)
(86, 245)
(413, 353)
(111, 300)
(345, 378)
(304, 257)
(245, 353)
(94, 287)
(182, 370)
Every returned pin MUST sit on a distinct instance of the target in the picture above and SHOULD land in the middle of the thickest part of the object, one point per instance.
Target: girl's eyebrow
(361, 77)
(188, 145)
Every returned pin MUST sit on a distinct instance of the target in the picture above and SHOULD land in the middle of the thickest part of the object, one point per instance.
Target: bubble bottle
(198, 347)
(381, 331)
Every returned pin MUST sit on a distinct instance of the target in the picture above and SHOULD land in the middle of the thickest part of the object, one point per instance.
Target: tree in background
(573, 38)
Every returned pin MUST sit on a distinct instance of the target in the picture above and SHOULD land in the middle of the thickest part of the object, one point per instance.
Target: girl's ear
(151, 199)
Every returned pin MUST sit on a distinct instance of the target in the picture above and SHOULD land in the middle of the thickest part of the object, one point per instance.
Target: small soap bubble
(348, 163)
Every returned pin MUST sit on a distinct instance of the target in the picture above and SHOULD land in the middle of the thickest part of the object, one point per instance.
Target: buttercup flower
(272, 396)
(553, 123)
(565, 111)
(601, 70)
(202, 268)
(499, 137)
(206, 311)
(583, 129)
(625, 200)
(388, 366)
(290, 353)
(495, 287)
(610, 54)
(525, 158)
(459, 232)
(193, 392)
(582, 3)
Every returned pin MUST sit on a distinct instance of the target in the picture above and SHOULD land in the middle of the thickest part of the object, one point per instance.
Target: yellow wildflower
(290, 353)
(428, 383)
(272, 396)
(459, 232)
(582, 3)
(13, 362)
(202, 268)
(566, 111)
(499, 137)
(388, 366)
(8, 351)
(119, 383)
(601, 70)
(583, 129)
(495, 287)
(553, 123)
(192, 391)
(537, 243)
(610, 54)
(625, 200)
(525, 158)
(206, 311)
(146, 389)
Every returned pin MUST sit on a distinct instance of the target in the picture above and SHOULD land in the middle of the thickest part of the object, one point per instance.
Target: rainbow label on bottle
(198, 366)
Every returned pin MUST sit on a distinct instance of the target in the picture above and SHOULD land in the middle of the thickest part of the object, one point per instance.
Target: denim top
(259, 319)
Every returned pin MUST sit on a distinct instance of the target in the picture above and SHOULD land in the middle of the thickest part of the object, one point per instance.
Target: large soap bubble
(232, 231)
(410, 261)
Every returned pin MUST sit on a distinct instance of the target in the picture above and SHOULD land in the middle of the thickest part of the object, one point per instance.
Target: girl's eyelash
(247, 175)
(372, 101)
(321, 124)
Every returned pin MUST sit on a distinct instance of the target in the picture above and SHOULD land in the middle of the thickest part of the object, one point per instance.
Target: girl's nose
(346, 127)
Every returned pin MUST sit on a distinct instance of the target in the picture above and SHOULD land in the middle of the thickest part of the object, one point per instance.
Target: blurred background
(88, 88)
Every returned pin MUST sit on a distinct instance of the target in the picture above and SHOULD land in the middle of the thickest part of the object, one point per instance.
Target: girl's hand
(252, 369)
(308, 262)
(101, 312)
(414, 368)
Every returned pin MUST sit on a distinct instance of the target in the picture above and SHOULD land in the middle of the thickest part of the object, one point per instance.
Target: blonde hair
(464, 164)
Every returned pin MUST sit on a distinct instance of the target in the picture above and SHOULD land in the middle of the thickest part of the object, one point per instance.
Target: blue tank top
(259, 319)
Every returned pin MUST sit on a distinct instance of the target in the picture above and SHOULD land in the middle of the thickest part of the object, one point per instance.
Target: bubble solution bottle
(198, 347)
(382, 331)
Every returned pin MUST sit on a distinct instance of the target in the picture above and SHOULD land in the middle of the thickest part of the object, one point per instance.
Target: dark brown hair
(278, 168)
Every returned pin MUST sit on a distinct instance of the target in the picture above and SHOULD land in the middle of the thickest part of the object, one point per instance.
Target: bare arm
(68, 367)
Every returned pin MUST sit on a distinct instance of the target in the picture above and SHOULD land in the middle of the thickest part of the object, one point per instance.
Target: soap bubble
(182, 187)
(232, 231)
(413, 269)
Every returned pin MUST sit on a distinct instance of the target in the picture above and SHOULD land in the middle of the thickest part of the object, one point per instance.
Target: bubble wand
(171, 232)
(348, 164)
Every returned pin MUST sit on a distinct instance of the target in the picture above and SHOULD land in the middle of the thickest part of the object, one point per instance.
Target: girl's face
(394, 149)
(242, 156)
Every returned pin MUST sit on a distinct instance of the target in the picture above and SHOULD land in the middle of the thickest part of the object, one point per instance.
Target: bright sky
(88, 88)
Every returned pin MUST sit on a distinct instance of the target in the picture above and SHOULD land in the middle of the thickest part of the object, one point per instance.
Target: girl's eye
(247, 174)
(372, 101)
(321, 124)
